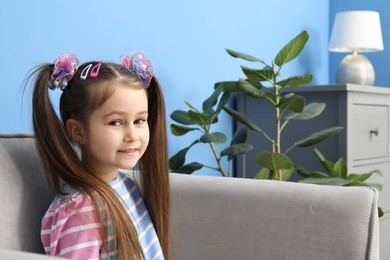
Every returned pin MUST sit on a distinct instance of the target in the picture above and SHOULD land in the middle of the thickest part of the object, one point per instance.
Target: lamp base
(355, 69)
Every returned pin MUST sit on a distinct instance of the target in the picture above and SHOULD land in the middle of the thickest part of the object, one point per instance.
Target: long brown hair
(61, 162)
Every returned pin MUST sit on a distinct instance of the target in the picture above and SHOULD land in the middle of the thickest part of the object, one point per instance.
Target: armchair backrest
(24, 194)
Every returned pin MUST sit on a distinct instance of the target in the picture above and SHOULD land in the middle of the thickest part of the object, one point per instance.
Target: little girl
(112, 118)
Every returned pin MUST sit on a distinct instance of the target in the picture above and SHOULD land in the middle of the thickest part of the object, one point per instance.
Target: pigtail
(154, 167)
(52, 143)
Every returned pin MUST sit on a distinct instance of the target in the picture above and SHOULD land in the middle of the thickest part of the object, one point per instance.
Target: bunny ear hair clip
(65, 66)
(138, 64)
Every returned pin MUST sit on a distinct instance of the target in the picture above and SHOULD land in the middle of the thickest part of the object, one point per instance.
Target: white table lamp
(356, 31)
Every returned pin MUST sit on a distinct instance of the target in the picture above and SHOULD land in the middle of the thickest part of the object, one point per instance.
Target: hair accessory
(85, 71)
(95, 70)
(65, 66)
(140, 65)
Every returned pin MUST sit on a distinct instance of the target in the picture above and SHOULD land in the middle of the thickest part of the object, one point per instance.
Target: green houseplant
(264, 85)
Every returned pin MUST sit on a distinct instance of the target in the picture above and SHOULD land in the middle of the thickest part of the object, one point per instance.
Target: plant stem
(211, 168)
(278, 173)
(217, 159)
(277, 137)
(229, 168)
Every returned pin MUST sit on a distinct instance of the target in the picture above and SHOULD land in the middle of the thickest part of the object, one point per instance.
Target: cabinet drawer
(369, 133)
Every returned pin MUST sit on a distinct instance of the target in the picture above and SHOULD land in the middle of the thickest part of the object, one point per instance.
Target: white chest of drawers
(363, 111)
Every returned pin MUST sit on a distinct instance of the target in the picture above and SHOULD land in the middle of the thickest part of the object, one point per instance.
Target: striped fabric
(70, 226)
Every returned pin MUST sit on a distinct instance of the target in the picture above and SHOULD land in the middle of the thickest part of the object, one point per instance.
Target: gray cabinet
(363, 111)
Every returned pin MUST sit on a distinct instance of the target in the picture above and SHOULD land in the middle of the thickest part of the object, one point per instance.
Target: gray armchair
(211, 217)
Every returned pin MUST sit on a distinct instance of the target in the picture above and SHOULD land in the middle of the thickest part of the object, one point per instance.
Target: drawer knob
(375, 132)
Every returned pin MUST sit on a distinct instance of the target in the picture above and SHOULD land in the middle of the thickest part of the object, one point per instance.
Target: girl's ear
(76, 131)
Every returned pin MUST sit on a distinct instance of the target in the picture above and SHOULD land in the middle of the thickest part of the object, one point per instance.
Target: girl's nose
(127, 139)
(130, 135)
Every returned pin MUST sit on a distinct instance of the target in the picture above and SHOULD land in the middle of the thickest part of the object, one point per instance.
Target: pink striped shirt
(69, 226)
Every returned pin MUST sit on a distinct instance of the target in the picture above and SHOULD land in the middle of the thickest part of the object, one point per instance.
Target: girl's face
(118, 131)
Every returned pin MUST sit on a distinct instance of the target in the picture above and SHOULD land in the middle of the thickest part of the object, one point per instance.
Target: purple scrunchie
(65, 66)
(140, 65)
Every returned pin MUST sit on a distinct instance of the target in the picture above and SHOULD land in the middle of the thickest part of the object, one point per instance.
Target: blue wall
(380, 60)
(185, 39)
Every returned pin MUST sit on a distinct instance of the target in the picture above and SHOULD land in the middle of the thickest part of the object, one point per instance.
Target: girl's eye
(139, 121)
(115, 123)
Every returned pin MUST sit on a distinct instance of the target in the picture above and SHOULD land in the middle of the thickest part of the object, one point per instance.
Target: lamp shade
(356, 31)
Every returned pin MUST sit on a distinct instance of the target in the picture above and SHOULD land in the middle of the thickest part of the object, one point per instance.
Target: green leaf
(318, 137)
(191, 106)
(182, 117)
(180, 130)
(263, 174)
(240, 118)
(377, 186)
(363, 176)
(236, 149)
(309, 173)
(217, 138)
(286, 174)
(198, 117)
(255, 75)
(211, 113)
(243, 56)
(333, 181)
(380, 212)
(309, 111)
(230, 86)
(177, 160)
(220, 138)
(296, 81)
(189, 168)
(240, 136)
(274, 161)
(304, 172)
(212, 117)
(207, 138)
(271, 97)
(293, 103)
(340, 169)
(291, 49)
(248, 89)
(223, 101)
(325, 163)
(212, 100)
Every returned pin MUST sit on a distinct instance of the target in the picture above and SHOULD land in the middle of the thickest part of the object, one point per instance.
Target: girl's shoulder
(72, 203)
(71, 220)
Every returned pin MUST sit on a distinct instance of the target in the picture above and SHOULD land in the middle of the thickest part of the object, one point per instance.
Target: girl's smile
(129, 152)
